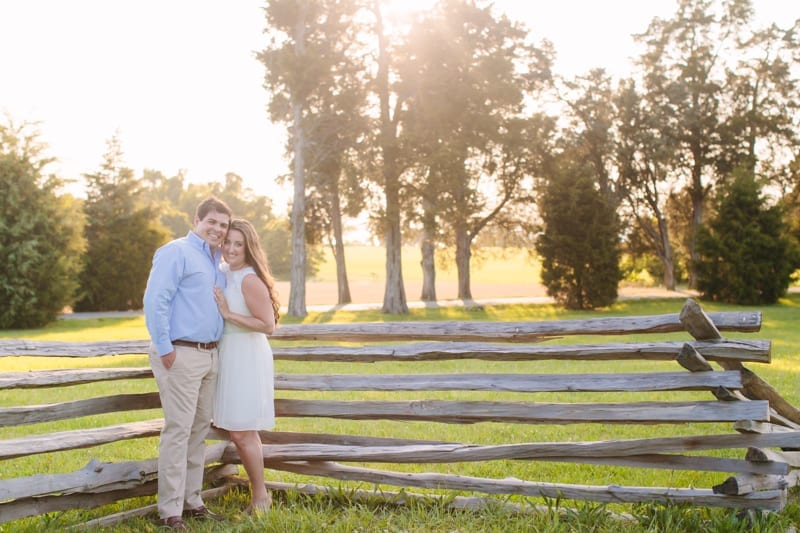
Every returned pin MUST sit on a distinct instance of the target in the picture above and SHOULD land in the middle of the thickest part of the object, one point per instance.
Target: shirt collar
(195, 239)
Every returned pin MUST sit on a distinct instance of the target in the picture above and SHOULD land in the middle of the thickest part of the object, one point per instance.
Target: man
(184, 325)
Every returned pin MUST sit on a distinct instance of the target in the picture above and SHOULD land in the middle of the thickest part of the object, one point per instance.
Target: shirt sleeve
(165, 276)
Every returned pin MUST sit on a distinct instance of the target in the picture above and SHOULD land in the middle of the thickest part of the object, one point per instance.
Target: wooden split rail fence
(764, 429)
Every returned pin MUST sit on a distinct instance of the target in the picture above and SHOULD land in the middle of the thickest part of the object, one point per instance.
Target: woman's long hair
(257, 258)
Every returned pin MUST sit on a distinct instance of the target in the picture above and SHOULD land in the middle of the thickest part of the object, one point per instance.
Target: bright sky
(176, 79)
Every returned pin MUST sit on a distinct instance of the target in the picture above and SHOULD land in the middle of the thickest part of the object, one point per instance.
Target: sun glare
(401, 9)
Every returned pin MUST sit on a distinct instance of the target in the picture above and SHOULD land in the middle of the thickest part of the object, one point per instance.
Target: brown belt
(198, 345)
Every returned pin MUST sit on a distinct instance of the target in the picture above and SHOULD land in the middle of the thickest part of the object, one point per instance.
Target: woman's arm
(258, 301)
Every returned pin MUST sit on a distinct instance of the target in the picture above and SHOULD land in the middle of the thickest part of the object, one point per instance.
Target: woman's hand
(222, 303)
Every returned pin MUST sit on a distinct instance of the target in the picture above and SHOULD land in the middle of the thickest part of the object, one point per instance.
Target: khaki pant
(187, 396)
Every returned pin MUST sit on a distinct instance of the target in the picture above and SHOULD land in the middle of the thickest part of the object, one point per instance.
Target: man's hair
(212, 203)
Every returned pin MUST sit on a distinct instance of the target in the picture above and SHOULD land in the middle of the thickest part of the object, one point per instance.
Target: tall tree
(683, 71)
(394, 295)
(761, 99)
(644, 161)
(309, 39)
(121, 235)
(578, 244)
(746, 254)
(41, 233)
(467, 78)
(337, 125)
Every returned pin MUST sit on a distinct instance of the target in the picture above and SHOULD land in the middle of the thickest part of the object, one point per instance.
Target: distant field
(494, 273)
(488, 265)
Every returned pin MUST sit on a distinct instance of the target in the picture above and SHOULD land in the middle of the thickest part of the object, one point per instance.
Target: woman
(244, 401)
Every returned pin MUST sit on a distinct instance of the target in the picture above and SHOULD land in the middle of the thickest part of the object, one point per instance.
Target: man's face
(212, 228)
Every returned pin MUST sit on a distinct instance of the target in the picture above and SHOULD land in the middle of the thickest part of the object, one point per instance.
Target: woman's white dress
(245, 397)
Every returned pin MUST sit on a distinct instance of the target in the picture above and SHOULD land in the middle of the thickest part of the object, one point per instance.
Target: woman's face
(234, 249)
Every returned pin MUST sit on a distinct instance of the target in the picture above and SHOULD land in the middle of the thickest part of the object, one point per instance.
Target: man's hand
(169, 359)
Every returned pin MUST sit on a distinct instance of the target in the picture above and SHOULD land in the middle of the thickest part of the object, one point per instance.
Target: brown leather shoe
(203, 513)
(173, 522)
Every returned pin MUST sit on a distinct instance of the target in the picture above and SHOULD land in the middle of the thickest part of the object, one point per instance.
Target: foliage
(470, 144)
(578, 245)
(175, 202)
(746, 254)
(40, 234)
(121, 234)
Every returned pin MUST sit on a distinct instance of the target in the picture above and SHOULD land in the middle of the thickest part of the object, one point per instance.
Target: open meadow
(343, 512)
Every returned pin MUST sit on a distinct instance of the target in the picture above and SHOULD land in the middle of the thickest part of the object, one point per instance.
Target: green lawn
(779, 325)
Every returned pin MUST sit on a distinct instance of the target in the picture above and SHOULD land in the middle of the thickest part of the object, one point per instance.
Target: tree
(683, 73)
(644, 160)
(394, 295)
(746, 254)
(467, 75)
(301, 60)
(578, 245)
(41, 234)
(121, 235)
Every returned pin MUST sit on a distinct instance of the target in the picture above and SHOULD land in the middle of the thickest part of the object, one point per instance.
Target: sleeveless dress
(245, 394)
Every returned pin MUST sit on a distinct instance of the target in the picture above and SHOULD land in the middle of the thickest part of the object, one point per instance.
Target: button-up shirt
(179, 299)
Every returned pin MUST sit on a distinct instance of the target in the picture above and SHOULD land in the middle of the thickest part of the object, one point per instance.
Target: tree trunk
(342, 284)
(394, 297)
(666, 255)
(463, 254)
(428, 249)
(297, 291)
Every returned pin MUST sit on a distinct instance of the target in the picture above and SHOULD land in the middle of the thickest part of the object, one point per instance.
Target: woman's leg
(249, 445)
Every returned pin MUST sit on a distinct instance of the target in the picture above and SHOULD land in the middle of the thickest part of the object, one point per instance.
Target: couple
(190, 301)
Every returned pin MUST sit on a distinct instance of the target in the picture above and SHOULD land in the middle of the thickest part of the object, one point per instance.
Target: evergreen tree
(746, 254)
(40, 234)
(578, 247)
(121, 237)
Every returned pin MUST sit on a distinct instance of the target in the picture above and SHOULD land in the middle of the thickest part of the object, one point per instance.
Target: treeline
(449, 129)
(94, 254)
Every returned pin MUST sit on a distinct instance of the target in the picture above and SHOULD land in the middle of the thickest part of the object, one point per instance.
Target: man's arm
(162, 285)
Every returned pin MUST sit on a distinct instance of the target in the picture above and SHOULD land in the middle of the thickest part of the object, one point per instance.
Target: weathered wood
(761, 428)
(698, 323)
(736, 349)
(760, 454)
(290, 437)
(690, 359)
(748, 321)
(651, 381)
(747, 483)
(702, 327)
(47, 504)
(456, 453)
(79, 438)
(625, 382)
(69, 376)
(768, 499)
(24, 507)
(733, 350)
(756, 388)
(116, 518)
(23, 347)
(33, 414)
(95, 477)
(468, 412)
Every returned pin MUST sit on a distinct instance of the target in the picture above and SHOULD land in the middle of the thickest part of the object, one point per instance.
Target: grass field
(341, 513)
(494, 273)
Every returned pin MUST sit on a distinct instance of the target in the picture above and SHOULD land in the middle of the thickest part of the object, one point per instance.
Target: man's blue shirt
(179, 298)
